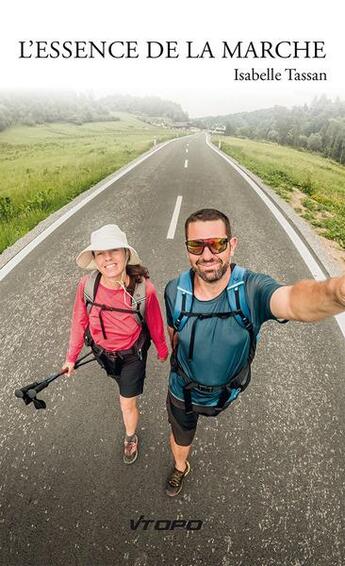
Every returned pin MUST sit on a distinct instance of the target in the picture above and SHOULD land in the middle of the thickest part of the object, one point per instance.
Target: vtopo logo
(165, 524)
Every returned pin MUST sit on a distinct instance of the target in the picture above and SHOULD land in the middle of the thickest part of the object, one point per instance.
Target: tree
(315, 142)
(273, 135)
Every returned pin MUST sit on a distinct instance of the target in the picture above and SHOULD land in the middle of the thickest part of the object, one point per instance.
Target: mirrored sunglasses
(215, 245)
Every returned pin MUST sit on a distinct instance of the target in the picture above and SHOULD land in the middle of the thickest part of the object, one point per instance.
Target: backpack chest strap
(203, 316)
(107, 308)
(138, 300)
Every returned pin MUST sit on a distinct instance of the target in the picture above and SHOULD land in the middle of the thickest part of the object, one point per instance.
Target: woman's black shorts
(129, 372)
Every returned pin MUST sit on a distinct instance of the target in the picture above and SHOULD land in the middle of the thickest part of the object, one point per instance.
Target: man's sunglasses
(215, 245)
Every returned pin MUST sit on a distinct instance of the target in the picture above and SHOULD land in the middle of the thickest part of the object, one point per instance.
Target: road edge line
(292, 232)
(93, 191)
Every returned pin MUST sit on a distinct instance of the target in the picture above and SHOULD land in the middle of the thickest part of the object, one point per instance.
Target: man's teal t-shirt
(221, 346)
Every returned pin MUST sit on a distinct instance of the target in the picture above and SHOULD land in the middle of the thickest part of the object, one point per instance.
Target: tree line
(318, 127)
(39, 108)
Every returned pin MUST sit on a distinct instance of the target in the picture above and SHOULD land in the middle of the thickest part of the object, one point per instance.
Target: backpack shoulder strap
(237, 296)
(183, 300)
(90, 289)
(139, 302)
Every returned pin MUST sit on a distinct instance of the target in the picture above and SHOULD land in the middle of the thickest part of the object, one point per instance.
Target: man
(214, 313)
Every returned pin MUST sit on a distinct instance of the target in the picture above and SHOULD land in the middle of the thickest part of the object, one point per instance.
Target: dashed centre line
(12, 263)
(186, 164)
(174, 219)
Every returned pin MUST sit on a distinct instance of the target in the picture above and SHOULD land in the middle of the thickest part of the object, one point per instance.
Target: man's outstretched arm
(309, 300)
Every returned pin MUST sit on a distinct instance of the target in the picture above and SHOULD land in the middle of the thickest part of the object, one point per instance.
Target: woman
(117, 311)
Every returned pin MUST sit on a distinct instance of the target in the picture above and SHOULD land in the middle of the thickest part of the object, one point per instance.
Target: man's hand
(173, 337)
(309, 300)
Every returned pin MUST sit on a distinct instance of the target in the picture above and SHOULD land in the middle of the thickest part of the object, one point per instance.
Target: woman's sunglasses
(215, 245)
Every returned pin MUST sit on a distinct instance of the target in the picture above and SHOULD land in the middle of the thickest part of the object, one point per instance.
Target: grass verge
(314, 185)
(44, 167)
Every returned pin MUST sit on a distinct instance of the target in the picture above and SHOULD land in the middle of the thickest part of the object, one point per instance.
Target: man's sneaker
(175, 481)
(130, 450)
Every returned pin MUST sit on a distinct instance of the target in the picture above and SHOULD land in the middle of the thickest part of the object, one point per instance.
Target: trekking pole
(29, 392)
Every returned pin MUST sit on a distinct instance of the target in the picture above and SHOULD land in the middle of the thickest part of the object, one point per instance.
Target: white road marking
(174, 219)
(300, 246)
(12, 263)
(186, 164)
(187, 150)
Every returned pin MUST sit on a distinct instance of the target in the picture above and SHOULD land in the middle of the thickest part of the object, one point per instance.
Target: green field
(314, 185)
(44, 167)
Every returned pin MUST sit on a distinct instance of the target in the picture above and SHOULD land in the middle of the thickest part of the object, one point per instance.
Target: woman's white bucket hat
(108, 237)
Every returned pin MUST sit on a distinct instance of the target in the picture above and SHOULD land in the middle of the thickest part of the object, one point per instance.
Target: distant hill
(319, 126)
(40, 108)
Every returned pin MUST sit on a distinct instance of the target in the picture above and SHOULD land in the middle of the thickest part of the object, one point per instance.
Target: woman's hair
(136, 274)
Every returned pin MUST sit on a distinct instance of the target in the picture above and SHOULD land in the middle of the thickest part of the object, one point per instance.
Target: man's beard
(214, 275)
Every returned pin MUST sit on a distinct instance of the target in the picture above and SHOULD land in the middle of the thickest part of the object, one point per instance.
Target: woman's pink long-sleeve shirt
(121, 329)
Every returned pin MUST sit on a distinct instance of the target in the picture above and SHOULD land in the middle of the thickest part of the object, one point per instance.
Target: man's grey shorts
(184, 425)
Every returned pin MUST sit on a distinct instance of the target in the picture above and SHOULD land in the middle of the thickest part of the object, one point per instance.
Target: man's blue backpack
(235, 293)
(238, 309)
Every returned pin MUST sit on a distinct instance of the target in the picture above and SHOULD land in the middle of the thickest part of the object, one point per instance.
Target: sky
(202, 86)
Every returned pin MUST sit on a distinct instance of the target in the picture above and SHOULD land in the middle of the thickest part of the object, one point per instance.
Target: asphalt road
(267, 476)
